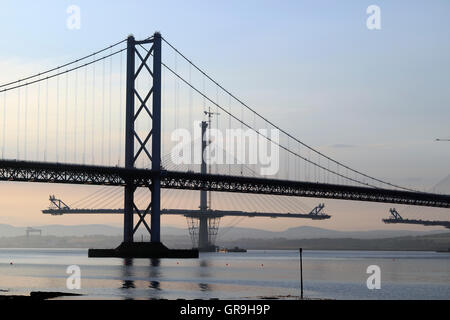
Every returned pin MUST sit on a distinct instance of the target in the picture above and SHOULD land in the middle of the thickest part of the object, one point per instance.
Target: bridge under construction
(203, 224)
(202, 237)
(396, 218)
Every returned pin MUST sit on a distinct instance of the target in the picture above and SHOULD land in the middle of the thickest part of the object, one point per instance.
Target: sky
(373, 99)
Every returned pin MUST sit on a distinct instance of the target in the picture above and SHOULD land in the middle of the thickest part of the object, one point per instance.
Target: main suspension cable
(280, 129)
(62, 66)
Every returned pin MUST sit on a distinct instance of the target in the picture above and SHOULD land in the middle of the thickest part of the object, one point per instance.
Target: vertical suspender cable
(308, 167)
(25, 132)
(163, 114)
(57, 115)
(137, 126)
(319, 173)
(38, 119)
(120, 107)
(242, 129)
(298, 170)
(229, 128)
(102, 143)
(204, 92)
(93, 113)
(46, 121)
(85, 114)
(66, 110)
(217, 125)
(338, 178)
(4, 126)
(149, 126)
(255, 166)
(75, 120)
(288, 160)
(18, 123)
(190, 125)
(175, 95)
(328, 180)
(315, 173)
(110, 109)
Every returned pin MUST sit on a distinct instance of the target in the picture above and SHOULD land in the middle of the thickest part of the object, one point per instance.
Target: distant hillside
(412, 243)
(416, 243)
(225, 234)
(77, 230)
(91, 241)
(306, 232)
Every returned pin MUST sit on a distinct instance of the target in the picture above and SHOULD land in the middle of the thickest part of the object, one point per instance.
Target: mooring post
(301, 274)
(129, 142)
(156, 141)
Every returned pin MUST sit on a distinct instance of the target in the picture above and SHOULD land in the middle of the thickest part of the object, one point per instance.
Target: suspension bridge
(109, 118)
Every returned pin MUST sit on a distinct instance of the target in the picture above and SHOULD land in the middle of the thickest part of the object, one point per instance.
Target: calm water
(252, 275)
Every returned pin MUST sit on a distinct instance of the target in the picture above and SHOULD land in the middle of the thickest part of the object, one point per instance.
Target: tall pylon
(154, 155)
(129, 248)
(207, 226)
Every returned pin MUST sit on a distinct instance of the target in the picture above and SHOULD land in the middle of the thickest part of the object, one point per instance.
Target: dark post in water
(301, 274)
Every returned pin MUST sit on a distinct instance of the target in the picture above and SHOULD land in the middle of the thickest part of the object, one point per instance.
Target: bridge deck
(194, 213)
(416, 221)
(27, 171)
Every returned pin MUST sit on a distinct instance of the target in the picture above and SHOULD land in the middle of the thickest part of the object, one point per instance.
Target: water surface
(252, 275)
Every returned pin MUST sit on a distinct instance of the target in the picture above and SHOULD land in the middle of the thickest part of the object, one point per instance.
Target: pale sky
(373, 99)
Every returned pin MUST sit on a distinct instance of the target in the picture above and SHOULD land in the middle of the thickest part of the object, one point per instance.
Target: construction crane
(30, 230)
(397, 218)
(205, 142)
(57, 204)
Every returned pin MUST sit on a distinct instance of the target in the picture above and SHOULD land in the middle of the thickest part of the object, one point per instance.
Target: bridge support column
(156, 141)
(154, 155)
(129, 142)
(203, 221)
(205, 242)
(129, 248)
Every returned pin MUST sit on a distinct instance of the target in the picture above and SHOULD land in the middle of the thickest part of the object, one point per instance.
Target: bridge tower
(154, 154)
(203, 221)
(207, 226)
(203, 228)
(129, 248)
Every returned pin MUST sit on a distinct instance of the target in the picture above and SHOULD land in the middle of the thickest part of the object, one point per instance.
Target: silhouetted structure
(29, 231)
(397, 218)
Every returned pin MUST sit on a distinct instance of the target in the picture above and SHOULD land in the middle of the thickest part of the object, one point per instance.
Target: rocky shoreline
(36, 295)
